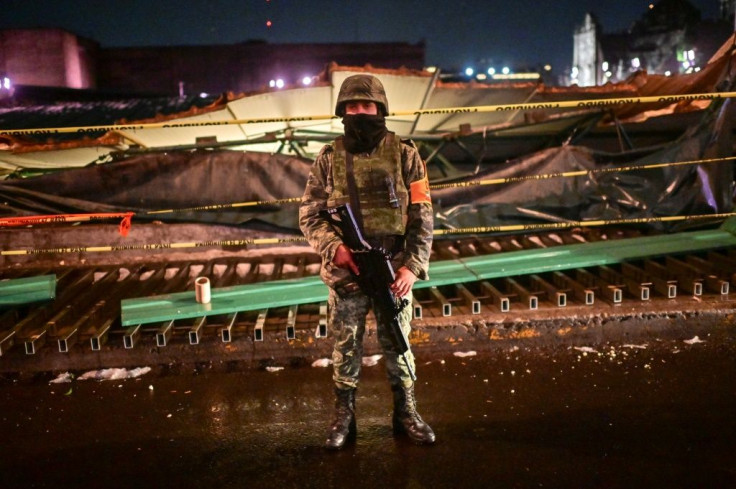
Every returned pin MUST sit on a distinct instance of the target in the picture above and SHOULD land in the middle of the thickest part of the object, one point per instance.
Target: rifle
(376, 274)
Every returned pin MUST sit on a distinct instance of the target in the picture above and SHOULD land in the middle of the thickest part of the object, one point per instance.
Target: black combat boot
(406, 417)
(343, 424)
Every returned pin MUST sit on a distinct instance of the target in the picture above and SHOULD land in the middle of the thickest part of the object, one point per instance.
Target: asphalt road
(656, 414)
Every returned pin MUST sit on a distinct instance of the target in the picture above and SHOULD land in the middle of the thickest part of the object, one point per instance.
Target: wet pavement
(656, 413)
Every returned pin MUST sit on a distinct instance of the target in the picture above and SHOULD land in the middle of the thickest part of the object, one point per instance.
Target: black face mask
(363, 132)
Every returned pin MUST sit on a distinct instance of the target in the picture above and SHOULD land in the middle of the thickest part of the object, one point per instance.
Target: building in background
(48, 57)
(670, 38)
(51, 57)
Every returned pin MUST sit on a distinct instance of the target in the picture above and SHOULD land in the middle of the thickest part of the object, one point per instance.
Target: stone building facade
(670, 38)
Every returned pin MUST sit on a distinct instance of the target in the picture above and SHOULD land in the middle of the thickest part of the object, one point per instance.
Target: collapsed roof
(30, 141)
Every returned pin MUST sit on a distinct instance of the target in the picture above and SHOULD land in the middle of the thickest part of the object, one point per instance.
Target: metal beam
(225, 300)
(18, 291)
(263, 295)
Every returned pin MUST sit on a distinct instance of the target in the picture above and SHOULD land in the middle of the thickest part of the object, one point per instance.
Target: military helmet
(361, 87)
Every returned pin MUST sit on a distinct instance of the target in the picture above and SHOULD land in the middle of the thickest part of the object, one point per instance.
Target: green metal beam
(264, 295)
(582, 255)
(224, 300)
(19, 291)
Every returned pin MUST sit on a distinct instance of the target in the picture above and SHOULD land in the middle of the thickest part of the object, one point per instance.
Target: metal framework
(281, 293)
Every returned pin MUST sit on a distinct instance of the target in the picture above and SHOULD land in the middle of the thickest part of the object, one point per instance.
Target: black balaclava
(363, 132)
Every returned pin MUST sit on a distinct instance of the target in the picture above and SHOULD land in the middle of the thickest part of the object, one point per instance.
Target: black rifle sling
(353, 190)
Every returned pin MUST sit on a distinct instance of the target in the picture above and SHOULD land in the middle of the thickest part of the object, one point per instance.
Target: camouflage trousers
(347, 318)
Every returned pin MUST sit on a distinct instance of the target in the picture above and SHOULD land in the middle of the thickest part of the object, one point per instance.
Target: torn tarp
(182, 180)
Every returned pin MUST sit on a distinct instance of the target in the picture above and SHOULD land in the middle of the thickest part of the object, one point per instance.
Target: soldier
(384, 177)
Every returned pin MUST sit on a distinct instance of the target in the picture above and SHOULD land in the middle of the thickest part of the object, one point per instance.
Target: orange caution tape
(125, 225)
(59, 218)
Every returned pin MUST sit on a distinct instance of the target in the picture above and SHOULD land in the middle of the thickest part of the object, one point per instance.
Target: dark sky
(456, 32)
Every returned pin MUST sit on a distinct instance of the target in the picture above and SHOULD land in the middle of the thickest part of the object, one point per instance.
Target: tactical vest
(381, 189)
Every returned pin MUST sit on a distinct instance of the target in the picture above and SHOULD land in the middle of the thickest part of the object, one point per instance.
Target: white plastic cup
(202, 290)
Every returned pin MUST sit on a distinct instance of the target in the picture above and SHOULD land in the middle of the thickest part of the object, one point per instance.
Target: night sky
(456, 32)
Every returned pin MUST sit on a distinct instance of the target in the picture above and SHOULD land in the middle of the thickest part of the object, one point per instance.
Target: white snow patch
(322, 362)
(114, 373)
(641, 347)
(693, 340)
(371, 360)
(585, 349)
(62, 378)
(274, 369)
(463, 354)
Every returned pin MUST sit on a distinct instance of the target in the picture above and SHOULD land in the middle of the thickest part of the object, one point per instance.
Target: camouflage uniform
(349, 306)
(389, 181)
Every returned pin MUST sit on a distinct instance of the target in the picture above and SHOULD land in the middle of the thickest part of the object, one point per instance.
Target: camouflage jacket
(323, 238)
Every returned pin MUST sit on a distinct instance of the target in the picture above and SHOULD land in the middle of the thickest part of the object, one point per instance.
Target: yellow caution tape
(574, 224)
(60, 218)
(437, 232)
(563, 104)
(227, 206)
(578, 173)
(473, 183)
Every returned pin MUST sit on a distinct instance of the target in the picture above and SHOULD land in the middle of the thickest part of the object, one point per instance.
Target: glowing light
(480, 76)
(272, 83)
(491, 71)
(604, 66)
(431, 69)
(269, 23)
(280, 83)
(469, 71)
(517, 76)
(505, 70)
(636, 63)
(307, 80)
(547, 67)
(6, 83)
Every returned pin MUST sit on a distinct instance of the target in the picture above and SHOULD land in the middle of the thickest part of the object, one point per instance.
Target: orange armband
(420, 191)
